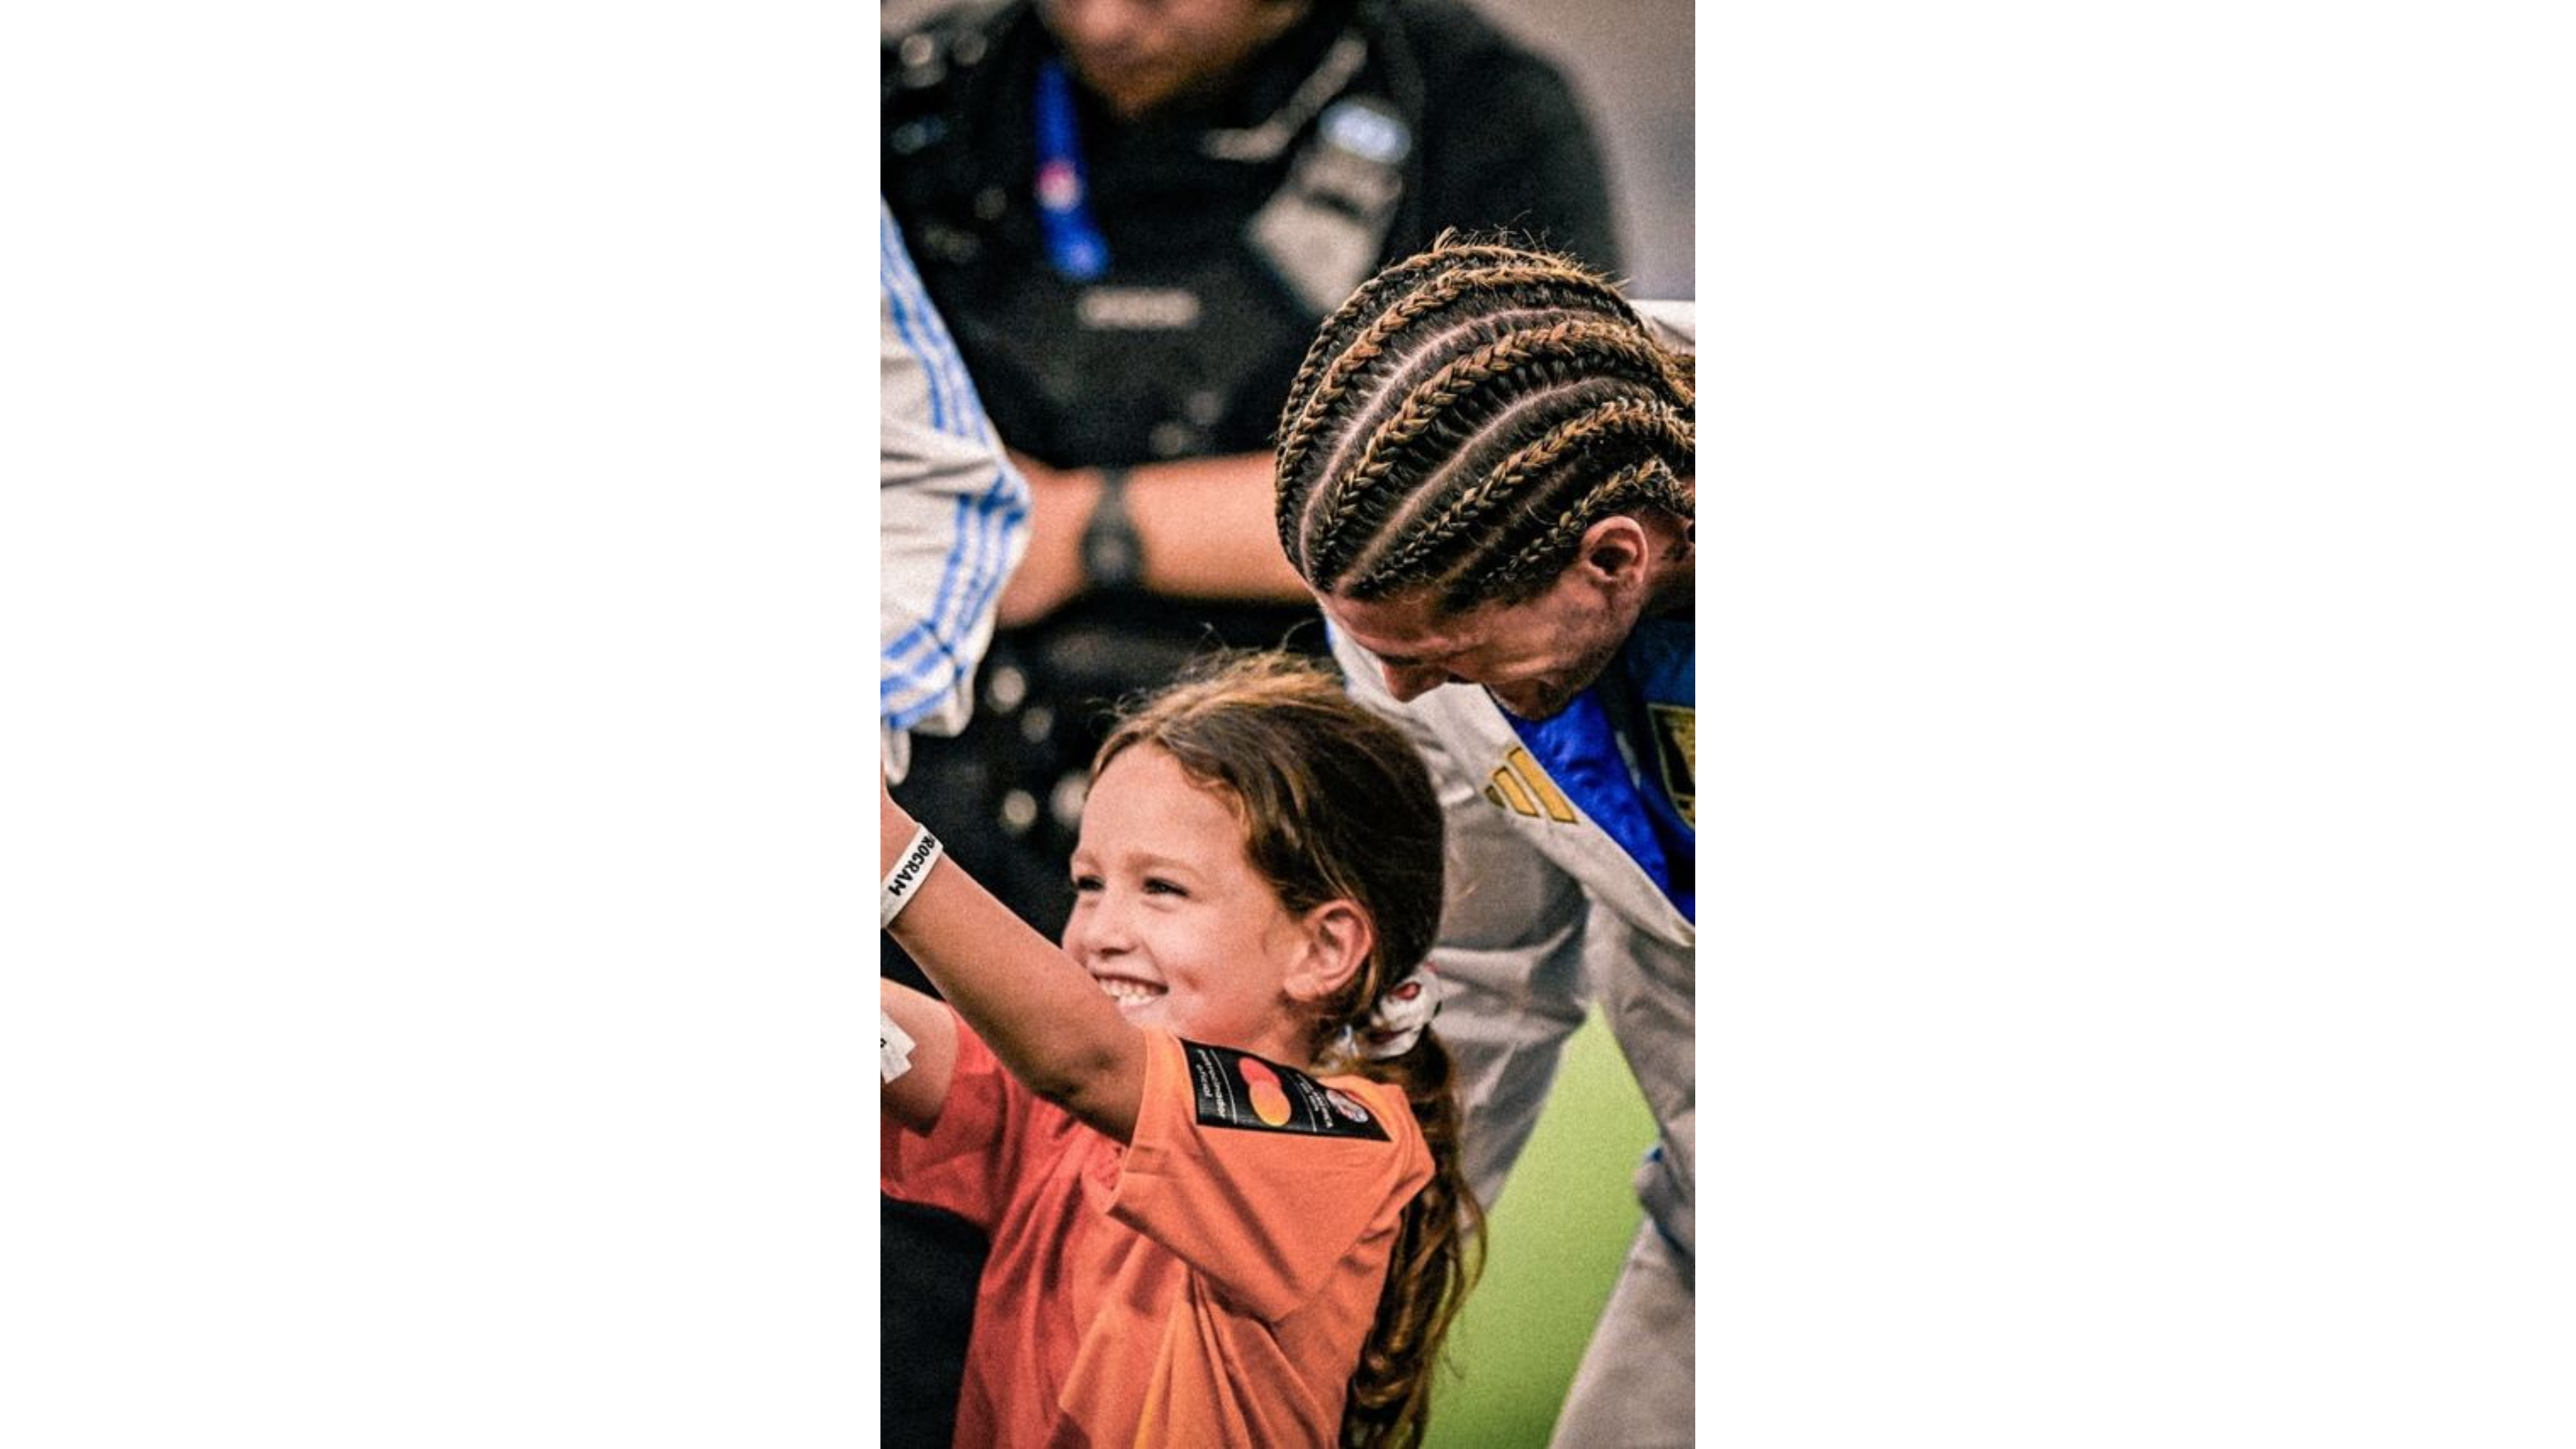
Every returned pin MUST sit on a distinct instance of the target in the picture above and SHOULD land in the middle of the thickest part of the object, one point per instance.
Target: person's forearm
(1209, 529)
(1206, 528)
(1043, 1015)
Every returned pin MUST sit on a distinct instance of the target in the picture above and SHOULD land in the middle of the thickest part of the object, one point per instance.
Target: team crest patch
(1235, 1089)
(1675, 748)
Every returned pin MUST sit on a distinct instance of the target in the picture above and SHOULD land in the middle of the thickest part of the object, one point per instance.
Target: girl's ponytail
(1439, 1249)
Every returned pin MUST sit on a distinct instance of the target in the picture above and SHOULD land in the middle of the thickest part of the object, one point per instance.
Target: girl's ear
(1338, 941)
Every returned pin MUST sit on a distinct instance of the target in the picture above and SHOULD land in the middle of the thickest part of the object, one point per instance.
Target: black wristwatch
(1113, 558)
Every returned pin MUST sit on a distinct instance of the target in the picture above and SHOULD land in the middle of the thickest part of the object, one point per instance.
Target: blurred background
(1554, 1244)
(1631, 59)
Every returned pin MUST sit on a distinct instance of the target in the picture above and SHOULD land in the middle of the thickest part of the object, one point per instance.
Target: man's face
(1141, 55)
(1533, 657)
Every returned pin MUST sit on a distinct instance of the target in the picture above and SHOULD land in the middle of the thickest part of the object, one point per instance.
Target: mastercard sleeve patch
(1234, 1089)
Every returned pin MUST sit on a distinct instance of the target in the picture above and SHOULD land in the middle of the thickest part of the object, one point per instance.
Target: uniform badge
(1675, 748)
(1237, 1089)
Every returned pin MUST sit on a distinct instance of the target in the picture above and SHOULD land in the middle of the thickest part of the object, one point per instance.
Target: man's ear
(1614, 552)
(1338, 941)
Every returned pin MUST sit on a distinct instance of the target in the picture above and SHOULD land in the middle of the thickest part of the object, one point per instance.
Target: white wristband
(904, 881)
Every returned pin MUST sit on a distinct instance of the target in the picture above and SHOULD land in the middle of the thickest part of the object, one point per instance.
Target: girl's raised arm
(1042, 1014)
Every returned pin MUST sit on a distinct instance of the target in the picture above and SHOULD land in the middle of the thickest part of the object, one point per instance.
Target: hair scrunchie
(1402, 1012)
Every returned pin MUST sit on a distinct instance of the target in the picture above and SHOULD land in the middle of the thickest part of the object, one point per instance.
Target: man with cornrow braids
(1486, 479)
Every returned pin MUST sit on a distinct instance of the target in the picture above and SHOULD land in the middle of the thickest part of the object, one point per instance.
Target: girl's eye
(1156, 886)
(1085, 883)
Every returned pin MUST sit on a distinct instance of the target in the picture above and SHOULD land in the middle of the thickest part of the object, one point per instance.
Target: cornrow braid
(1325, 346)
(1543, 557)
(1436, 292)
(1428, 404)
(1423, 539)
(1462, 421)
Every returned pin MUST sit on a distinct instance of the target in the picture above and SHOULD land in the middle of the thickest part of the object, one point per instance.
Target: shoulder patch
(1237, 1089)
(1675, 747)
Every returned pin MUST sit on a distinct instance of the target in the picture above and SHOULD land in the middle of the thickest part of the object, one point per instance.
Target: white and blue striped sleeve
(955, 515)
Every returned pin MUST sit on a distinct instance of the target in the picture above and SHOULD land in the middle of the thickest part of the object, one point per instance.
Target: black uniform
(1221, 238)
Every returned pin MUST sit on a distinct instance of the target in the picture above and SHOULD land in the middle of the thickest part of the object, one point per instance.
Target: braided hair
(1466, 417)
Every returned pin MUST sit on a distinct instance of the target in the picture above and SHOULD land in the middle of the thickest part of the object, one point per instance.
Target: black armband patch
(1236, 1089)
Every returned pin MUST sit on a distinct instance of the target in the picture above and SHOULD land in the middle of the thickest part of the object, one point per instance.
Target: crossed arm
(1204, 527)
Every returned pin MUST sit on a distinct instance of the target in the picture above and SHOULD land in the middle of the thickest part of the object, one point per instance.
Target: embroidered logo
(1235, 1089)
(1521, 787)
(1675, 748)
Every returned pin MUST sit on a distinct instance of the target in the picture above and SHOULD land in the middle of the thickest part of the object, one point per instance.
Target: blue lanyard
(1073, 242)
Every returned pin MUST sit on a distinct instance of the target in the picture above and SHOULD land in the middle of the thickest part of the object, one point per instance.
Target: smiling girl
(1211, 1137)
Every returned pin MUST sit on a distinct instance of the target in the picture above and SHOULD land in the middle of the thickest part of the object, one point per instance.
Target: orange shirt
(1209, 1284)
